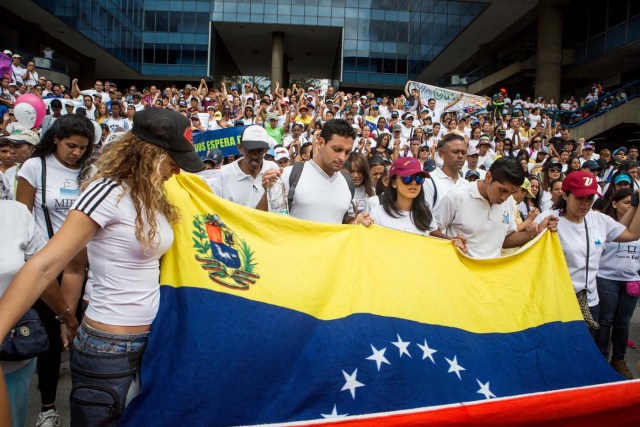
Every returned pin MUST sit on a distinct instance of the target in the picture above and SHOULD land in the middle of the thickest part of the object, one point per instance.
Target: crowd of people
(89, 182)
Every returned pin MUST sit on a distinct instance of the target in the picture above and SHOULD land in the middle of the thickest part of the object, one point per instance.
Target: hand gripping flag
(266, 319)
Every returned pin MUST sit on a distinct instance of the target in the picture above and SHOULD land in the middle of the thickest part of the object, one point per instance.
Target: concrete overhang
(106, 64)
(311, 51)
(496, 18)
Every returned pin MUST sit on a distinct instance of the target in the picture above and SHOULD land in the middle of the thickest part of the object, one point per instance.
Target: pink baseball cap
(406, 166)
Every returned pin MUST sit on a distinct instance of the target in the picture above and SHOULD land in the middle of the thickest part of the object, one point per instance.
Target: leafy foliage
(200, 239)
(248, 263)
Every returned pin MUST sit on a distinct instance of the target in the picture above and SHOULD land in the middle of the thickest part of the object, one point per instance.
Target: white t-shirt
(32, 79)
(287, 140)
(10, 180)
(126, 288)
(114, 123)
(545, 202)
(443, 184)
(211, 177)
(318, 197)
(487, 160)
(62, 190)
(236, 186)
(620, 261)
(20, 240)
(573, 237)
(464, 211)
(403, 223)
(17, 72)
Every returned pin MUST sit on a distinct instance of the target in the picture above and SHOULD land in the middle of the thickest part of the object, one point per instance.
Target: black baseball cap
(169, 130)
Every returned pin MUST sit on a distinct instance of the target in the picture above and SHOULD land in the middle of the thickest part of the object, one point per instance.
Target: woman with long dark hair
(573, 165)
(551, 171)
(619, 264)
(532, 204)
(53, 175)
(619, 180)
(382, 146)
(582, 233)
(358, 167)
(402, 205)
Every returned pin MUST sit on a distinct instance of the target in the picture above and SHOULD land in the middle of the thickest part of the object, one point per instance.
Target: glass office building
(603, 26)
(382, 42)
(115, 26)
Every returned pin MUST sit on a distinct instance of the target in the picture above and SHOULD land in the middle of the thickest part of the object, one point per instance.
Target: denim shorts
(104, 374)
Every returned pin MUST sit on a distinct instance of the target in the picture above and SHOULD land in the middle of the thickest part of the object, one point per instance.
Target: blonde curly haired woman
(123, 203)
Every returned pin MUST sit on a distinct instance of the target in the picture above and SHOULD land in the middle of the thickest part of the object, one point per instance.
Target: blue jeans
(616, 310)
(18, 384)
(104, 375)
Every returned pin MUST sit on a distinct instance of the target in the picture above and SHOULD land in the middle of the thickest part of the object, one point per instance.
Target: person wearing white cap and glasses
(22, 144)
(124, 219)
(241, 181)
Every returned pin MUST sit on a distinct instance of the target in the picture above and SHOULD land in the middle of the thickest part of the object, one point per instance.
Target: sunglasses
(555, 170)
(406, 180)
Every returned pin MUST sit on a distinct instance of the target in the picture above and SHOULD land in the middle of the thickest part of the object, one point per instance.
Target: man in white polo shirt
(241, 181)
(453, 152)
(322, 193)
(483, 212)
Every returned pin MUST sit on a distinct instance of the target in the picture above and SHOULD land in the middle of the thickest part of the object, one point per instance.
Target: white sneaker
(51, 418)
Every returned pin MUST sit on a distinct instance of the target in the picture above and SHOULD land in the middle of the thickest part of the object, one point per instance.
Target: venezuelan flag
(361, 325)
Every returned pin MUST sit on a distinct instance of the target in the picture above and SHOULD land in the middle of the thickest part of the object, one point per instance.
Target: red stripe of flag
(606, 405)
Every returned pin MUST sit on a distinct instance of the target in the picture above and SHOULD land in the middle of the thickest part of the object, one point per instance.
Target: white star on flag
(427, 352)
(378, 356)
(351, 383)
(334, 414)
(484, 390)
(402, 346)
(454, 367)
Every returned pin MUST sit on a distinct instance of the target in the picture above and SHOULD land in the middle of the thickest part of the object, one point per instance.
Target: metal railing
(600, 106)
(51, 64)
(584, 113)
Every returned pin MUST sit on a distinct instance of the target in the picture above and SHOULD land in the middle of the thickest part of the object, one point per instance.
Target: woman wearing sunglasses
(552, 171)
(402, 205)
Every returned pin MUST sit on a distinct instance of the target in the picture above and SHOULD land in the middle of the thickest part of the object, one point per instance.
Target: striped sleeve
(98, 201)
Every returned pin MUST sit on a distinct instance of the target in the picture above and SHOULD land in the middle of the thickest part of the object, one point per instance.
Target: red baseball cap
(580, 184)
(406, 166)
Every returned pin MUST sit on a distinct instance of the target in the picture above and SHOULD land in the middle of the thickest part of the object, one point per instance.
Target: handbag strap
(586, 279)
(45, 209)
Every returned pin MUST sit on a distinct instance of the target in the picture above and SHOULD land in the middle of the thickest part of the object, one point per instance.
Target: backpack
(296, 172)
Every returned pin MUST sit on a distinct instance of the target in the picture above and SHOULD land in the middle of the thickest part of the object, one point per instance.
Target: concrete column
(277, 58)
(549, 51)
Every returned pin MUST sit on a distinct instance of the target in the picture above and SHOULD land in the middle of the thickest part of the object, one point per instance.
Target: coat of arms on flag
(215, 245)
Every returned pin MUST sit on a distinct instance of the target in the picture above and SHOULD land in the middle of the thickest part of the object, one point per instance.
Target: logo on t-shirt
(506, 217)
(227, 257)
(70, 188)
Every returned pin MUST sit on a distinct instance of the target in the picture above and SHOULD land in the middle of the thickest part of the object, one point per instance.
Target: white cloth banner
(466, 104)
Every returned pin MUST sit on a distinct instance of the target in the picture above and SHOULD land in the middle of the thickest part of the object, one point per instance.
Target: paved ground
(64, 387)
